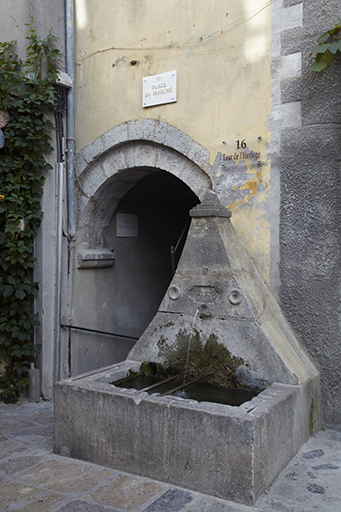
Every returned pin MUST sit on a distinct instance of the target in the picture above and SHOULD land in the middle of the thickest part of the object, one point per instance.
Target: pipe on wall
(59, 242)
(70, 117)
(70, 182)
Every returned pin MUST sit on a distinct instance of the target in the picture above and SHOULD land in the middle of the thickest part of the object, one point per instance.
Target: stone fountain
(218, 318)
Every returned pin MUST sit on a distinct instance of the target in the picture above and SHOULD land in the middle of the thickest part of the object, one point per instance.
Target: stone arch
(107, 168)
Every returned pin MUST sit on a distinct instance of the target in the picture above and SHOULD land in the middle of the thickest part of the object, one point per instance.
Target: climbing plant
(324, 53)
(26, 101)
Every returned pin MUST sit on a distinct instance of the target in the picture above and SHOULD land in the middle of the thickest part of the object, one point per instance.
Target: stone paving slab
(83, 506)
(33, 479)
(173, 500)
(9, 447)
(18, 464)
(16, 496)
(127, 492)
(64, 475)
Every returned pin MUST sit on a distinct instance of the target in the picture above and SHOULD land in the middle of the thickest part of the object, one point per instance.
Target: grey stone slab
(205, 504)
(325, 467)
(42, 417)
(292, 41)
(36, 438)
(291, 89)
(145, 155)
(11, 446)
(36, 434)
(80, 163)
(173, 500)
(328, 505)
(160, 132)
(178, 140)
(200, 156)
(313, 454)
(316, 489)
(93, 150)
(17, 464)
(16, 496)
(113, 162)
(334, 435)
(115, 136)
(84, 506)
(65, 476)
(275, 504)
(38, 430)
(141, 129)
(13, 424)
(126, 492)
(289, 3)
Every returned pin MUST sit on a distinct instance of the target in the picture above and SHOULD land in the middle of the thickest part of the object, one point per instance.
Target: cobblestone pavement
(33, 479)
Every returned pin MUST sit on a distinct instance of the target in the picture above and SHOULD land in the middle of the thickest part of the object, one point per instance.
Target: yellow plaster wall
(221, 51)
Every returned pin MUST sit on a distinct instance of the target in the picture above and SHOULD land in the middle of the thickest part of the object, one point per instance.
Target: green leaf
(324, 37)
(7, 292)
(24, 336)
(335, 47)
(20, 294)
(324, 53)
(321, 48)
(316, 68)
(326, 59)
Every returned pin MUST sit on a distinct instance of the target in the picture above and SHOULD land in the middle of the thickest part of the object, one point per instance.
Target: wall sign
(127, 225)
(241, 151)
(159, 89)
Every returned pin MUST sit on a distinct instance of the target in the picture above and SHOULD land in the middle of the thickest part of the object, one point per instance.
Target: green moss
(169, 324)
(153, 370)
(204, 357)
(146, 369)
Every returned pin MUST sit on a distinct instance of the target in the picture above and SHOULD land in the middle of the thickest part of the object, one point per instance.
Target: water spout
(189, 345)
(204, 310)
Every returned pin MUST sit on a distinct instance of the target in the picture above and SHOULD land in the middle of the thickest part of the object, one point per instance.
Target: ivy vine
(324, 53)
(27, 95)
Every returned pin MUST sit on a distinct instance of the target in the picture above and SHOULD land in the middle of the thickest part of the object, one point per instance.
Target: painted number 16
(241, 145)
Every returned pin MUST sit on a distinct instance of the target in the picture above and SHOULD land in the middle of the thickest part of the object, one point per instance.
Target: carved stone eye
(174, 292)
(235, 297)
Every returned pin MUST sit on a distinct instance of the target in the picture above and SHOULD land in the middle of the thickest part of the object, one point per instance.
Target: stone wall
(309, 159)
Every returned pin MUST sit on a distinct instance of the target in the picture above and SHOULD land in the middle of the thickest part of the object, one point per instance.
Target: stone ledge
(96, 259)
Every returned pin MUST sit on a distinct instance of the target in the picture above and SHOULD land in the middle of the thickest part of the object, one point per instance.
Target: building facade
(171, 99)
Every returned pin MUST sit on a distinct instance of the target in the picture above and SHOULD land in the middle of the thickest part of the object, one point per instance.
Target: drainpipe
(70, 137)
(59, 242)
(70, 180)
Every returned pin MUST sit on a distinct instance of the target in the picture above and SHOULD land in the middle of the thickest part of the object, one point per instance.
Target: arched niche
(111, 165)
(113, 289)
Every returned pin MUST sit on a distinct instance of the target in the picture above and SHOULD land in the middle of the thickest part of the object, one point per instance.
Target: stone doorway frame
(106, 170)
(108, 167)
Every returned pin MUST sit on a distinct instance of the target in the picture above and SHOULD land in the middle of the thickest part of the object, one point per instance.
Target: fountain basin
(216, 315)
(200, 389)
(230, 452)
